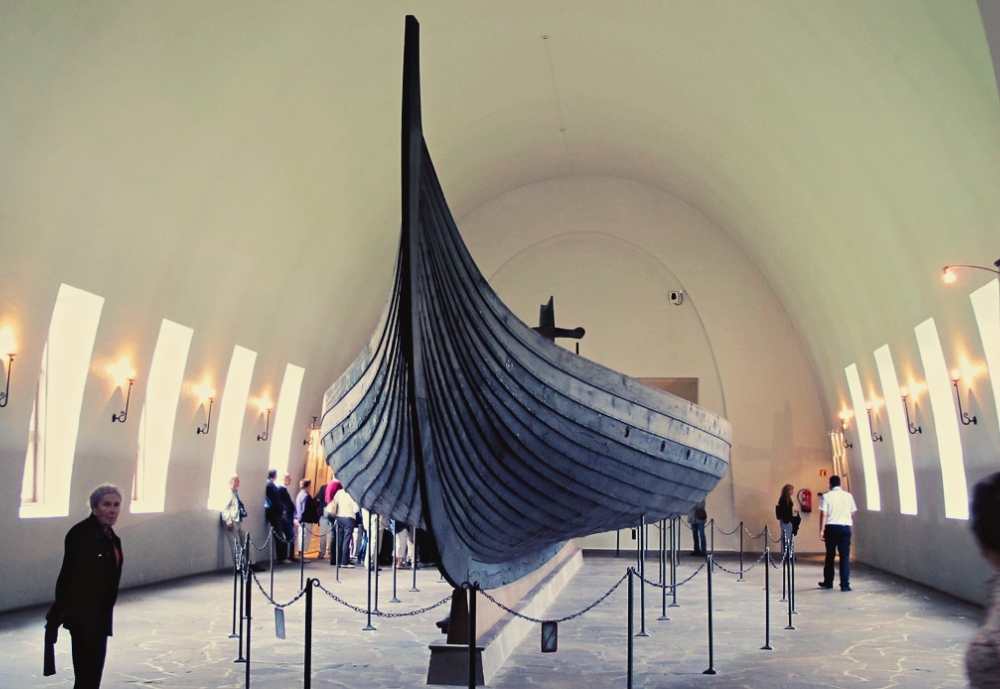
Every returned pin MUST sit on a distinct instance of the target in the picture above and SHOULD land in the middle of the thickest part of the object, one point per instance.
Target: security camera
(676, 297)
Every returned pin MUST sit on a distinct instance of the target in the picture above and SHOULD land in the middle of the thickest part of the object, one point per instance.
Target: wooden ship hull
(460, 418)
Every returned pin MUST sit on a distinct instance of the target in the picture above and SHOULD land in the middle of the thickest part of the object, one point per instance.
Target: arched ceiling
(235, 165)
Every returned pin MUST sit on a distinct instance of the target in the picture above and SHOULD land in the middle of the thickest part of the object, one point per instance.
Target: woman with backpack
(784, 511)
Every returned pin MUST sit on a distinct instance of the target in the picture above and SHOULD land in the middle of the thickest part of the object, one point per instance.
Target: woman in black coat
(87, 587)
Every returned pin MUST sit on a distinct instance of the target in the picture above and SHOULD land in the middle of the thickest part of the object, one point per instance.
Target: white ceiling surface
(237, 163)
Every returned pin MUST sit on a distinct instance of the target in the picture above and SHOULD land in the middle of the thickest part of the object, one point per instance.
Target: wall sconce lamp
(949, 277)
(265, 406)
(9, 346)
(963, 416)
(312, 428)
(914, 429)
(876, 437)
(122, 416)
(122, 372)
(845, 421)
(204, 392)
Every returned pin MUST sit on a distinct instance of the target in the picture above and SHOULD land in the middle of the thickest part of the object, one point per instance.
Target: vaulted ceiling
(234, 165)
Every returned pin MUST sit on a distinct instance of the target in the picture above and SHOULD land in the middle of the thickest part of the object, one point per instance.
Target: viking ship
(460, 418)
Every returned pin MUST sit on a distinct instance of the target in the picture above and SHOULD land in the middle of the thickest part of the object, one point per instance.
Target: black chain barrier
(565, 618)
(664, 585)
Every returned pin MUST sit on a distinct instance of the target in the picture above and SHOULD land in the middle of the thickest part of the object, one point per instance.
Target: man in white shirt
(342, 511)
(835, 521)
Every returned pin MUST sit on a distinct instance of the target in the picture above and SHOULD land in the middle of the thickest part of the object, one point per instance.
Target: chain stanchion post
(767, 592)
(302, 556)
(376, 545)
(741, 551)
(674, 542)
(663, 571)
(336, 542)
(711, 542)
(270, 558)
(789, 596)
(630, 652)
(368, 566)
(472, 636)
(307, 660)
(642, 576)
(413, 587)
(395, 542)
(236, 576)
(243, 586)
(249, 627)
(784, 566)
(791, 569)
(711, 637)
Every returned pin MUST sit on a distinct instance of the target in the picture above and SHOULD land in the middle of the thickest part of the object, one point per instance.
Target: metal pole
(673, 563)
(642, 576)
(302, 556)
(618, 543)
(663, 571)
(395, 541)
(767, 592)
(630, 653)
(741, 551)
(376, 552)
(784, 567)
(270, 561)
(236, 576)
(413, 588)
(249, 626)
(472, 636)
(711, 640)
(307, 661)
(368, 627)
(711, 544)
(336, 543)
(243, 574)
(789, 598)
(791, 579)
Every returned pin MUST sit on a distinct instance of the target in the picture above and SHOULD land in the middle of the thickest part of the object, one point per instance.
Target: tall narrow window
(232, 414)
(55, 417)
(986, 305)
(872, 501)
(941, 394)
(284, 417)
(159, 412)
(900, 430)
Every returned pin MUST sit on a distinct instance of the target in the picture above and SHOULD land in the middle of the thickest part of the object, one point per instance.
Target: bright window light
(55, 417)
(941, 394)
(986, 305)
(232, 413)
(872, 501)
(900, 430)
(159, 412)
(284, 417)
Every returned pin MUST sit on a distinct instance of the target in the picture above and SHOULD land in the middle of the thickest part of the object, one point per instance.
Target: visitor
(785, 512)
(303, 513)
(342, 511)
(403, 536)
(233, 514)
(835, 522)
(274, 515)
(287, 517)
(982, 659)
(87, 588)
(697, 516)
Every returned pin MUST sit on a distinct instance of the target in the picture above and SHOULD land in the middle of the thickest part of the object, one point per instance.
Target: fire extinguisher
(805, 498)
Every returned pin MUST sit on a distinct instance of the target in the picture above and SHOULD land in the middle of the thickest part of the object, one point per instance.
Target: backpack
(312, 510)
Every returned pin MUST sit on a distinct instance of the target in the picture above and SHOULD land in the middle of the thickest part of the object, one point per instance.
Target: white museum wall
(610, 250)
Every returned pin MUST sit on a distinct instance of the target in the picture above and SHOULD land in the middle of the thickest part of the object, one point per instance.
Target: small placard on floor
(279, 623)
(550, 637)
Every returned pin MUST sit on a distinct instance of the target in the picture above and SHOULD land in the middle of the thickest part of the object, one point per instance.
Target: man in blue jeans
(835, 521)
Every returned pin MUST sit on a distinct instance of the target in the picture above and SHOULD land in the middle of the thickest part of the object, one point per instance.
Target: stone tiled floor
(886, 633)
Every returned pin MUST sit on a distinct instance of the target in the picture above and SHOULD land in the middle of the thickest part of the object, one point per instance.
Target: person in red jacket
(87, 587)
